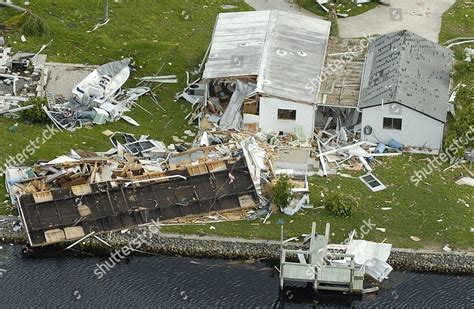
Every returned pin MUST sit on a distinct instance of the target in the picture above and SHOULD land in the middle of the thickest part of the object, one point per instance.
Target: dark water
(159, 281)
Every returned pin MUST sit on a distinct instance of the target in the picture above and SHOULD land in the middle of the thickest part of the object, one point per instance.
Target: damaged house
(405, 91)
(260, 62)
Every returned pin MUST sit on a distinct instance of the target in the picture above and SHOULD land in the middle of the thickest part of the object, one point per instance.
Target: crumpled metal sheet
(232, 117)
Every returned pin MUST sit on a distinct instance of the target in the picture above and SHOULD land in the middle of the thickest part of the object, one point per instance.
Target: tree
(35, 114)
(282, 191)
(29, 23)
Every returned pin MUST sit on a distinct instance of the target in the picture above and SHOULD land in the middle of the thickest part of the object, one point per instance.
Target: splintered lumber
(321, 159)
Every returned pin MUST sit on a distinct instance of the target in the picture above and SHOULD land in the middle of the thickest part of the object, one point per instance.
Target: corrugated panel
(237, 44)
(294, 57)
(285, 50)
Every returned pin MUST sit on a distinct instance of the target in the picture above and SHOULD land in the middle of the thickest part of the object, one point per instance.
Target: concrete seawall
(236, 248)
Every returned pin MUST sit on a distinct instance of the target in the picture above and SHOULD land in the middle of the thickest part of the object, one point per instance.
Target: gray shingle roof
(408, 69)
(284, 50)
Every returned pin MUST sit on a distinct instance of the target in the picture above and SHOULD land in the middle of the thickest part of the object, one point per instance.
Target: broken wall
(269, 116)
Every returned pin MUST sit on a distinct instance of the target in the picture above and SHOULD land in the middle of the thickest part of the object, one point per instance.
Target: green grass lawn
(415, 210)
(344, 7)
(457, 21)
(152, 32)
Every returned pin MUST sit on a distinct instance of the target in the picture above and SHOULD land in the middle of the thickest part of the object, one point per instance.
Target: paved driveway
(422, 17)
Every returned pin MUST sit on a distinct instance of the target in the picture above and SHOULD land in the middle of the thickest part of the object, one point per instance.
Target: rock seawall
(235, 248)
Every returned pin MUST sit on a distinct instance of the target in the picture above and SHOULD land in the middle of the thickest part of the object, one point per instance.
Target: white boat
(101, 84)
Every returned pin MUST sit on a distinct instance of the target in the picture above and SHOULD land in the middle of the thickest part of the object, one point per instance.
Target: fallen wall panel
(114, 206)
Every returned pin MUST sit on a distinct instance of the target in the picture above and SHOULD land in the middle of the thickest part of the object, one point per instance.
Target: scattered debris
(446, 248)
(469, 52)
(336, 267)
(22, 76)
(98, 25)
(468, 181)
(138, 180)
(414, 238)
(166, 79)
(372, 182)
(98, 99)
(228, 6)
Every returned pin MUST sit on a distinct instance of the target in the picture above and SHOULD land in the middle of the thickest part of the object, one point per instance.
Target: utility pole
(106, 11)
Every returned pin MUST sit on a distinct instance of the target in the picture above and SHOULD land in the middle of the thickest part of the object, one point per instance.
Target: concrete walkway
(422, 17)
(281, 5)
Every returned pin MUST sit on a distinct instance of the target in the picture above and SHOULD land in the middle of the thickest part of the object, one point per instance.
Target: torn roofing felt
(70, 213)
(284, 50)
(408, 69)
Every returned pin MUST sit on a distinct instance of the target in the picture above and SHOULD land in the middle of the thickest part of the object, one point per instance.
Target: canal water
(177, 282)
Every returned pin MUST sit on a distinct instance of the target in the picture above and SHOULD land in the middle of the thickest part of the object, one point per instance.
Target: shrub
(35, 114)
(282, 191)
(28, 24)
(340, 204)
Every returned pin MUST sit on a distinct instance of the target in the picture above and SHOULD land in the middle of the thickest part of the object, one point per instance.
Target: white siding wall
(269, 116)
(418, 130)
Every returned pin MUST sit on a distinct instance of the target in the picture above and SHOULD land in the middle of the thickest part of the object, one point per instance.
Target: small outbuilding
(405, 91)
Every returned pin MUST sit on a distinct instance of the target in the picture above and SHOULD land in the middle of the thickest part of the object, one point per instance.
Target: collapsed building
(257, 68)
(335, 267)
(273, 71)
(22, 76)
(86, 193)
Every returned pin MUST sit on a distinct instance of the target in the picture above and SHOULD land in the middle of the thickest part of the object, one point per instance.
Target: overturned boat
(102, 83)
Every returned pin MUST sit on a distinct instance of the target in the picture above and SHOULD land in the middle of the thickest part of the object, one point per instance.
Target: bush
(28, 24)
(340, 204)
(34, 26)
(35, 114)
(282, 191)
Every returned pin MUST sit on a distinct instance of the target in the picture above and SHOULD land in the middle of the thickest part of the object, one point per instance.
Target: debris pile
(339, 149)
(99, 98)
(22, 76)
(136, 181)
